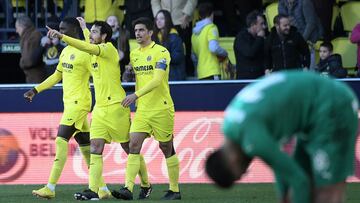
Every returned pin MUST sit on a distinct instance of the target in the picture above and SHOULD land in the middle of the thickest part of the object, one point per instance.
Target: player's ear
(103, 37)
(151, 32)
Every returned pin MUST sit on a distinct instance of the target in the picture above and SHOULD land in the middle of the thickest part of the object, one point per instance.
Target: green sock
(143, 173)
(132, 169)
(60, 160)
(85, 151)
(172, 164)
(95, 171)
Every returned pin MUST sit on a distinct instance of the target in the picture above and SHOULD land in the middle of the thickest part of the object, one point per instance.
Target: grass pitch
(191, 193)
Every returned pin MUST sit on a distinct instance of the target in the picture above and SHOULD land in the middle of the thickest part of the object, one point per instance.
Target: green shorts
(328, 154)
(160, 123)
(74, 116)
(111, 123)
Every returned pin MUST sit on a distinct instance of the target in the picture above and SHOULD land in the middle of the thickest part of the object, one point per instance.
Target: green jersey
(283, 105)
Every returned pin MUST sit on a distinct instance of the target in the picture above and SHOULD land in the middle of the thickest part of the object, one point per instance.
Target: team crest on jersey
(72, 57)
(148, 58)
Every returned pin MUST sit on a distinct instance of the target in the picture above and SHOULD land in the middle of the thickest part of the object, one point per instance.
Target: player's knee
(125, 147)
(96, 146)
(330, 194)
(135, 147)
(167, 149)
(82, 138)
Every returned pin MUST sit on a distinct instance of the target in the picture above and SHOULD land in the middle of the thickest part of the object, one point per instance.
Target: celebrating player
(155, 109)
(110, 120)
(319, 112)
(74, 73)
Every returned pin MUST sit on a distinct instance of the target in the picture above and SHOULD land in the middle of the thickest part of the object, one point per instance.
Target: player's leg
(61, 142)
(334, 193)
(172, 163)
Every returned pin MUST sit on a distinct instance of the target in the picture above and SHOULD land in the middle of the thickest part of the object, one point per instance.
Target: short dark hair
(145, 21)
(205, 10)
(218, 170)
(104, 29)
(278, 18)
(73, 22)
(327, 45)
(251, 18)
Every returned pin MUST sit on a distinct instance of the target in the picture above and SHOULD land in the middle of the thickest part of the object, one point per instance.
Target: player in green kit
(73, 71)
(155, 109)
(319, 112)
(110, 120)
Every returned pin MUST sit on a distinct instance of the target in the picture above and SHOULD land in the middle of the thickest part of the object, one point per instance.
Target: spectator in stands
(330, 64)
(302, 16)
(181, 14)
(285, 48)
(355, 38)
(249, 48)
(166, 35)
(120, 40)
(97, 10)
(31, 59)
(51, 50)
(324, 10)
(206, 49)
(135, 9)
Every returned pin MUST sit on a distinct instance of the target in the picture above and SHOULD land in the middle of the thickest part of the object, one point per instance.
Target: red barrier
(27, 149)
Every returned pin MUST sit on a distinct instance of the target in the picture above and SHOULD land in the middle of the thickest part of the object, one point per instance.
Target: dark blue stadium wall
(187, 96)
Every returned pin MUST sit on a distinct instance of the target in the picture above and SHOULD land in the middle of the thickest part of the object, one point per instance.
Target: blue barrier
(187, 96)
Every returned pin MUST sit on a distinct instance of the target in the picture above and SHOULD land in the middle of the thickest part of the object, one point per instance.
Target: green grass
(194, 193)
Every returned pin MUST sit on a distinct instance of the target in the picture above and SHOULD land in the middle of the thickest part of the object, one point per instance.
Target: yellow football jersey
(144, 61)
(74, 64)
(105, 70)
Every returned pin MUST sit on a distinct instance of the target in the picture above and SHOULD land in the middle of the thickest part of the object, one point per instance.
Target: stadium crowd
(264, 35)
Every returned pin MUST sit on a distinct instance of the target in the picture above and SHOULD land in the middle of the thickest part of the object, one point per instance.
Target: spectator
(31, 60)
(355, 38)
(330, 64)
(120, 40)
(285, 48)
(324, 10)
(249, 48)
(51, 50)
(166, 35)
(97, 10)
(135, 9)
(205, 45)
(181, 14)
(302, 16)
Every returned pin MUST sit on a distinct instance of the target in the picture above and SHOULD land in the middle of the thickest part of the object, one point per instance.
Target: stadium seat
(335, 14)
(350, 15)
(20, 3)
(133, 44)
(348, 51)
(270, 12)
(228, 44)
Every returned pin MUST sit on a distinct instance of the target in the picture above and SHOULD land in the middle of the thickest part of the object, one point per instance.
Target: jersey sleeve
(82, 45)
(50, 81)
(86, 34)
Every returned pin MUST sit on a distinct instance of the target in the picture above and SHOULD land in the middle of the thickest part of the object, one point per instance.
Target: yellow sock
(132, 169)
(85, 151)
(143, 173)
(172, 164)
(60, 160)
(95, 171)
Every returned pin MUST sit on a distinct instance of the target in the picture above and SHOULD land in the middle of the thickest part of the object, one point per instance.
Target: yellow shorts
(160, 123)
(73, 116)
(111, 123)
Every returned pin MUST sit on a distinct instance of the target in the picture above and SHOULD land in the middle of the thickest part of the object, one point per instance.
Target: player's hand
(82, 22)
(53, 33)
(29, 95)
(129, 100)
(185, 21)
